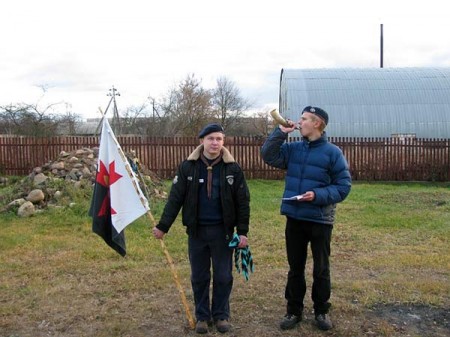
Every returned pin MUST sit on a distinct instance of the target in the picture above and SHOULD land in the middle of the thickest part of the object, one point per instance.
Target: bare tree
(135, 119)
(37, 119)
(157, 123)
(67, 123)
(187, 106)
(28, 119)
(228, 104)
(261, 123)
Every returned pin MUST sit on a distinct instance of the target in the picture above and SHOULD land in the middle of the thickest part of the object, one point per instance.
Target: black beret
(210, 128)
(318, 112)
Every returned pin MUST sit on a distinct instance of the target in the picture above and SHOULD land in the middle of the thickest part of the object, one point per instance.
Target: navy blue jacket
(234, 194)
(317, 166)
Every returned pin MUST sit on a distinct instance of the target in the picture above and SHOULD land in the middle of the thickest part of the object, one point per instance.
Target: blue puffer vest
(317, 166)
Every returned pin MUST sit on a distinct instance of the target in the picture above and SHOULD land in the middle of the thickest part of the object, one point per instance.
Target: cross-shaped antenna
(113, 92)
(116, 119)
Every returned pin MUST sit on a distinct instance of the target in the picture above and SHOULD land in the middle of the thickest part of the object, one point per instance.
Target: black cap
(210, 128)
(318, 112)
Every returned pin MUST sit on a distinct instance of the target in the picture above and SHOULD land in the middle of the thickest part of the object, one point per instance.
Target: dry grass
(390, 271)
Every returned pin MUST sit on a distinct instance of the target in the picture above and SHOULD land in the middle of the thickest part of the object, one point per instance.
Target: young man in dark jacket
(317, 177)
(211, 188)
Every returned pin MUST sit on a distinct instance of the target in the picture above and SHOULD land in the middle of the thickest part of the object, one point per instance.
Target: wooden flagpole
(175, 276)
(169, 259)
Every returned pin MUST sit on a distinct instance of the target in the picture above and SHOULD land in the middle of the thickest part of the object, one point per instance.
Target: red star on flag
(106, 179)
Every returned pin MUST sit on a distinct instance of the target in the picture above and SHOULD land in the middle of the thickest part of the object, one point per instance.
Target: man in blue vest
(317, 177)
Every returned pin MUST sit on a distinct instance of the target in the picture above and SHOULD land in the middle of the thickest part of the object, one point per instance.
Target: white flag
(127, 202)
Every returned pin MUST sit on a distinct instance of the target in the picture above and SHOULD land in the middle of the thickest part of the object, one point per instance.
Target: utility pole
(115, 125)
(381, 46)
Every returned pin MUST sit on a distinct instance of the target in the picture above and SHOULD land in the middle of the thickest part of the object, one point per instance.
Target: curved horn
(278, 118)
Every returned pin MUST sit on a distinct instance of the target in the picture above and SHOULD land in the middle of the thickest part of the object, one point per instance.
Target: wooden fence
(370, 159)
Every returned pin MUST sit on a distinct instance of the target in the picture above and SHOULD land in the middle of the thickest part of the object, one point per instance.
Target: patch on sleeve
(175, 180)
(230, 180)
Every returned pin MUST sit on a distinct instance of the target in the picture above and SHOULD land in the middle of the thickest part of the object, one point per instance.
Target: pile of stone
(44, 186)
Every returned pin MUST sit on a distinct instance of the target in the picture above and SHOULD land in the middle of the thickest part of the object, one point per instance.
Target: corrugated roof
(372, 102)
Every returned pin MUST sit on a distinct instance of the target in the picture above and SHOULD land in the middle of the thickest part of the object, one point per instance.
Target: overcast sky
(78, 50)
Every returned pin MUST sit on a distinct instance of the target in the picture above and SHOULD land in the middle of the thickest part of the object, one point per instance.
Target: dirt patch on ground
(416, 320)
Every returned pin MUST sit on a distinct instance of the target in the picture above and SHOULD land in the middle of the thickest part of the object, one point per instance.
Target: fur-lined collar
(226, 155)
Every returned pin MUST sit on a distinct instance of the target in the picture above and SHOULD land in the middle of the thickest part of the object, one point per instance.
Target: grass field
(390, 270)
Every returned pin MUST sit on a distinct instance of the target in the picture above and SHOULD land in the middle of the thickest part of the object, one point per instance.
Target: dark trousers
(211, 246)
(298, 235)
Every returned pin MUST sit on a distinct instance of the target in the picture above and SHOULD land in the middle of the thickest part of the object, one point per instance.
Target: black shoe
(222, 325)
(323, 322)
(201, 327)
(289, 321)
